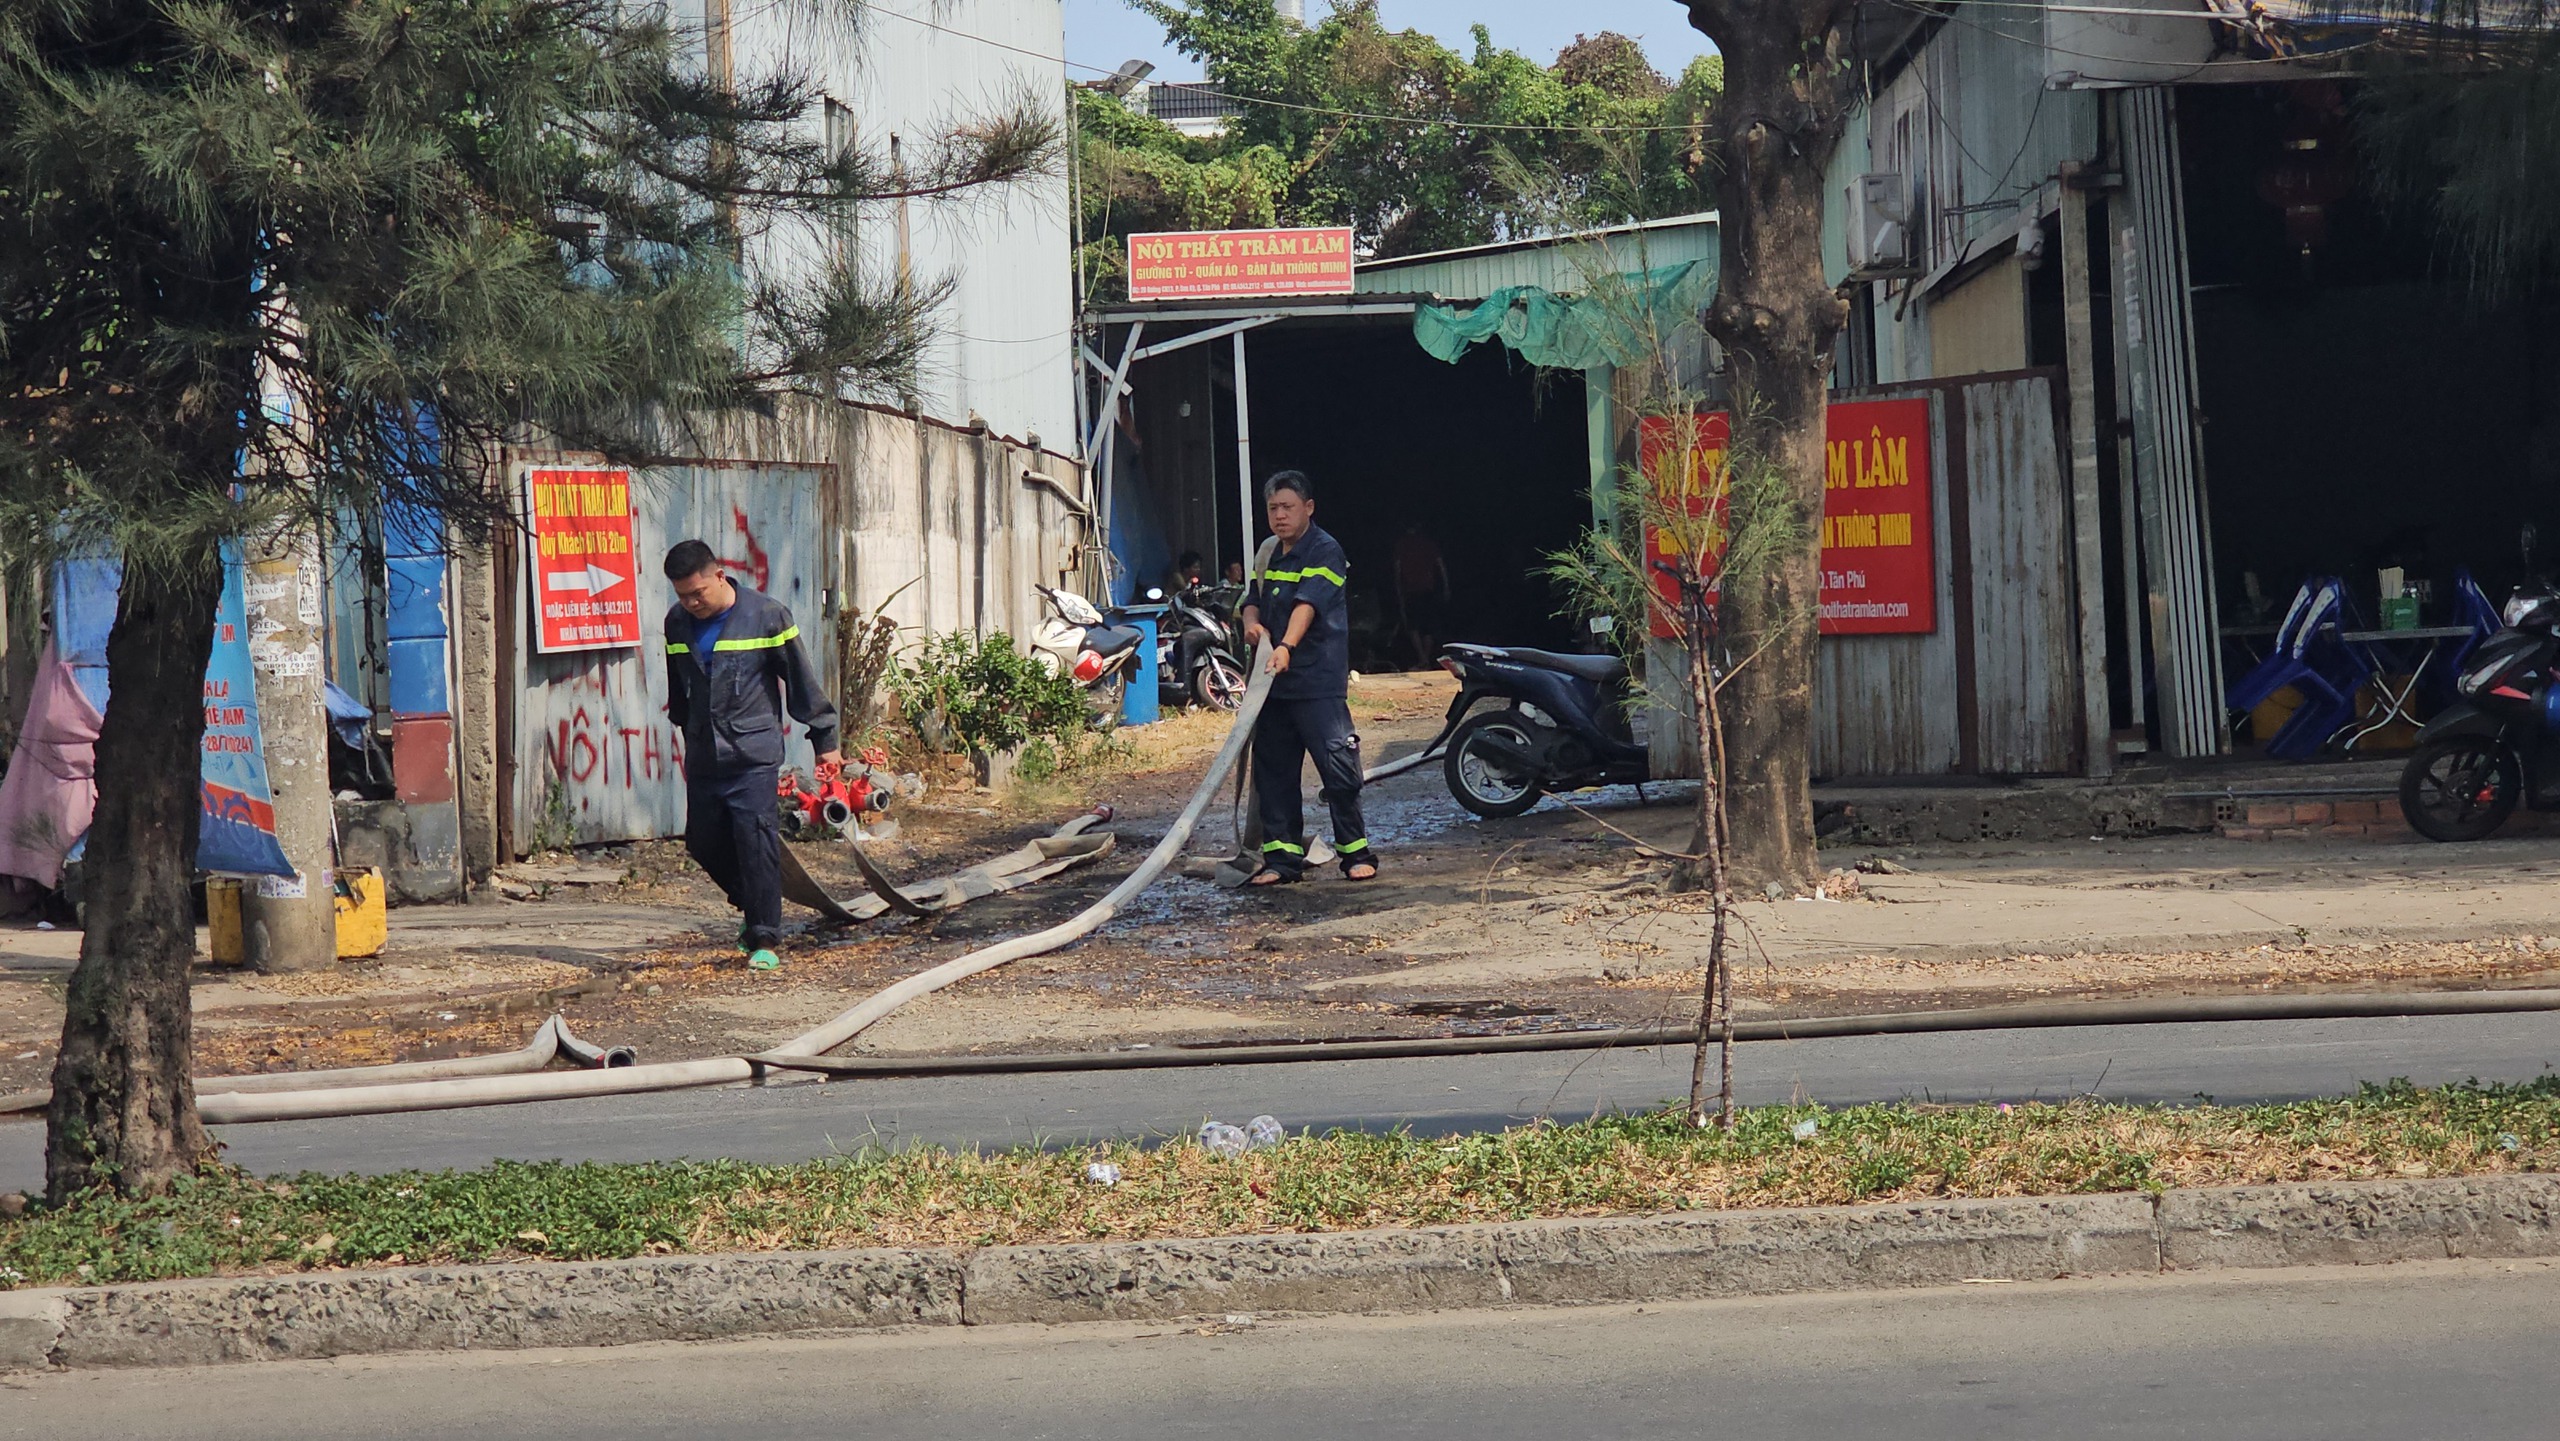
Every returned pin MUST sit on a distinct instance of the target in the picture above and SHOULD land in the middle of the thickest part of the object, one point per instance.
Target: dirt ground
(1554, 919)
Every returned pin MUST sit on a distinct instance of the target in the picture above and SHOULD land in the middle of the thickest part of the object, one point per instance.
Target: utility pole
(291, 921)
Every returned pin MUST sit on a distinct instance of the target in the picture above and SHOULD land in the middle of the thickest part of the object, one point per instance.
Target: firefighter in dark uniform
(734, 661)
(1308, 713)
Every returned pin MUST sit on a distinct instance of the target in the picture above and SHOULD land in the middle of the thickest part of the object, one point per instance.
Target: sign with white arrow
(595, 580)
(585, 596)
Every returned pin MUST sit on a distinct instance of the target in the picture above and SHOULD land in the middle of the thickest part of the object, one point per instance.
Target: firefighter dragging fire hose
(734, 661)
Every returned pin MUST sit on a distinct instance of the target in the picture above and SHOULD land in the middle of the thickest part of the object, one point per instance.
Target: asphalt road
(2232, 1061)
(2437, 1349)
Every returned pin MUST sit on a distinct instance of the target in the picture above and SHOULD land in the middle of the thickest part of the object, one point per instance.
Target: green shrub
(963, 693)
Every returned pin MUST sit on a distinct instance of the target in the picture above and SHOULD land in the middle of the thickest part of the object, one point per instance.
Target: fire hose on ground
(520, 1076)
(413, 1091)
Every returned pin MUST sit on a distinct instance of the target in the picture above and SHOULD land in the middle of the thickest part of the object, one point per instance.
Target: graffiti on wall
(593, 741)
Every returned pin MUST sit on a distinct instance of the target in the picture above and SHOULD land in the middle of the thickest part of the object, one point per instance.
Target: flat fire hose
(1070, 845)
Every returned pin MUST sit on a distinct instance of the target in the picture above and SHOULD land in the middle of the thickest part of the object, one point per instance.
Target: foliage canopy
(1413, 145)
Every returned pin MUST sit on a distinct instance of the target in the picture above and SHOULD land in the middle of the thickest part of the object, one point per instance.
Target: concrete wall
(821, 505)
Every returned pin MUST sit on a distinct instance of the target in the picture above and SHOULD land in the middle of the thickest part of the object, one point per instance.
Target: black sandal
(1278, 877)
(1359, 880)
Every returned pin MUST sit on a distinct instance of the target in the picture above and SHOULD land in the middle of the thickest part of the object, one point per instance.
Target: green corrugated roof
(1556, 264)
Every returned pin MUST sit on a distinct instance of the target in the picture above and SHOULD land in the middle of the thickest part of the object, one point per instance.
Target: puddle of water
(1170, 901)
(1476, 1010)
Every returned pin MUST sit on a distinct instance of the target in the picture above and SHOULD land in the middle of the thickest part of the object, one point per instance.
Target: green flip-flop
(763, 959)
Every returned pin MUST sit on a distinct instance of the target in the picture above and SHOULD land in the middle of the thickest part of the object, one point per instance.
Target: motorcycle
(1561, 727)
(1195, 652)
(2498, 747)
(1074, 640)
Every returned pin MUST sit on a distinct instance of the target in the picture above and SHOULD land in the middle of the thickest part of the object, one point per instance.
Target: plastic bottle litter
(2510, 1141)
(1220, 1139)
(1804, 1130)
(1102, 1173)
(1264, 1131)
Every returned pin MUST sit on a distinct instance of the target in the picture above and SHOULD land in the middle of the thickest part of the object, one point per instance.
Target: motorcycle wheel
(1484, 785)
(2460, 788)
(1219, 683)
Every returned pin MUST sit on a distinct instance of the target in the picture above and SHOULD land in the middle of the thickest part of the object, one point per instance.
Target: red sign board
(586, 592)
(1879, 554)
(1210, 264)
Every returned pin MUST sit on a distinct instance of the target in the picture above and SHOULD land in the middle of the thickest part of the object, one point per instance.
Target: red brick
(2244, 833)
(2356, 812)
(2348, 832)
(2275, 814)
(2311, 813)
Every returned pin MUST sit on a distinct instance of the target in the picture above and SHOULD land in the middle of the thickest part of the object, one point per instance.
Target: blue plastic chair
(2285, 654)
(2472, 608)
(2307, 656)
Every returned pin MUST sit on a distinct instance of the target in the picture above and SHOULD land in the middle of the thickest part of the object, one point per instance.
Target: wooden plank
(2088, 546)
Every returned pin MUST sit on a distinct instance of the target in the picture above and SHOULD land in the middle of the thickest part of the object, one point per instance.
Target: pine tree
(267, 262)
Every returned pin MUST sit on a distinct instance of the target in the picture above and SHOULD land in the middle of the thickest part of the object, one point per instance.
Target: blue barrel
(1138, 703)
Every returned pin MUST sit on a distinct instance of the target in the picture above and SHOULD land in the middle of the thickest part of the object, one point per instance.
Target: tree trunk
(124, 1105)
(1786, 93)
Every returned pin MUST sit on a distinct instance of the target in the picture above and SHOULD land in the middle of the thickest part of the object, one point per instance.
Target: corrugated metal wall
(819, 505)
(2155, 352)
(1995, 688)
(1478, 272)
(2025, 629)
(1977, 137)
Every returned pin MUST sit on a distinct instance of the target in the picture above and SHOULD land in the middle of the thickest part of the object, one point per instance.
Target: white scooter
(1074, 640)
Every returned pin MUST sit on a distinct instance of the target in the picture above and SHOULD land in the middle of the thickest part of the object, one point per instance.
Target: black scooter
(1561, 727)
(2497, 747)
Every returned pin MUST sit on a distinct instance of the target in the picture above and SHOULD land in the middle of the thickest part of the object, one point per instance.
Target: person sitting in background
(1189, 571)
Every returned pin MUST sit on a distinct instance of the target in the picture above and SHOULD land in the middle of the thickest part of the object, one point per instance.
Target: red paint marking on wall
(757, 567)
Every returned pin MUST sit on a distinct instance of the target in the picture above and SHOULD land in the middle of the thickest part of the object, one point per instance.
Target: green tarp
(1618, 321)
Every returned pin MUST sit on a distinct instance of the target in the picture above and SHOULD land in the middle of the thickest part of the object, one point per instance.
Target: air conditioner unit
(1879, 211)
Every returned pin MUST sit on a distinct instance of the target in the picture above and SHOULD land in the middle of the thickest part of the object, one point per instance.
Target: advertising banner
(1213, 264)
(238, 831)
(1879, 555)
(586, 593)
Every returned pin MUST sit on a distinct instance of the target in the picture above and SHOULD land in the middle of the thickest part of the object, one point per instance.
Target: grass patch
(222, 1221)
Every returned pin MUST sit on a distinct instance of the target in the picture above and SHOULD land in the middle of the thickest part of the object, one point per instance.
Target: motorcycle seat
(1598, 669)
(1110, 640)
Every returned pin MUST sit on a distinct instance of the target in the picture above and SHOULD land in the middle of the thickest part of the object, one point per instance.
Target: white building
(900, 74)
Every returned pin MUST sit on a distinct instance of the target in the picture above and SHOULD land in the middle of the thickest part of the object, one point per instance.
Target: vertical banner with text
(238, 831)
(586, 592)
(1879, 552)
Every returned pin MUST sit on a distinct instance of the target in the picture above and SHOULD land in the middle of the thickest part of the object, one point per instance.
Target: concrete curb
(1684, 1256)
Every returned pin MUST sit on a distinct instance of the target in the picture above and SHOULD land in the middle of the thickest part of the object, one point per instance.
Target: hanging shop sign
(586, 592)
(1879, 553)
(1216, 264)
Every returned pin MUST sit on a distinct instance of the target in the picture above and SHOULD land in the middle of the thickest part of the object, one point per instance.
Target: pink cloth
(52, 786)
